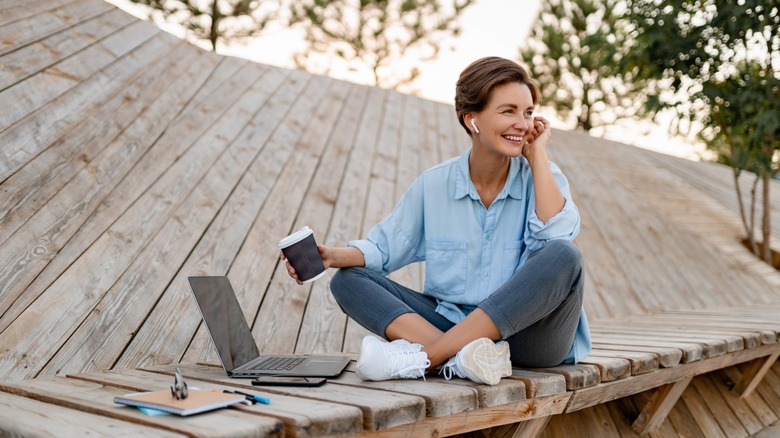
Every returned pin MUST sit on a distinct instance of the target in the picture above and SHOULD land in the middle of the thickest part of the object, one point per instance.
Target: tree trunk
(748, 227)
(766, 220)
(216, 16)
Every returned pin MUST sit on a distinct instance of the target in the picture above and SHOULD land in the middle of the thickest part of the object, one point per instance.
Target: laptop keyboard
(278, 363)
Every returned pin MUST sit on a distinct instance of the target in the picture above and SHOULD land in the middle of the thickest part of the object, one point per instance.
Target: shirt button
(484, 274)
(489, 236)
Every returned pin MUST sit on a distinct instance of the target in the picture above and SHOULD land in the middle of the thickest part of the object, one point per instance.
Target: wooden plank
(324, 323)
(301, 416)
(35, 57)
(48, 174)
(721, 411)
(99, 399)
(407, 165)
(303, 195)
(609, 391)
(760, 403)
(280, 209)
(36, 333)
(640, 362)
(380, 183)
(701, 414)
(637, 255)
(381, 409)
(21, 416)
(710, 345)
(691, 351)
(17, 33)
(754, 374)
(217, 248)
(663, 400)
(479, 419)
(506, 391)
(34, 184)
(12, 10)
(43, 87)
(596, 419)
(610, 368)
(770, 389)
(525, 429)
(667, 357)
(718, 380)
(38, 130)
(177, 235)
(441, 398)
(642, 399)
(744, 320)
(576, 376)
(540, 384)
(682, 420)
(750, 339)
(732, 314)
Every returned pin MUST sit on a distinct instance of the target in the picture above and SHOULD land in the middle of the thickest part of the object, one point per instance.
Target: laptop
(235, 345)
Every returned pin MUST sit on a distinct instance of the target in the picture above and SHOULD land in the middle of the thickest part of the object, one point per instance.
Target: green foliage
(574, 51)
(373, 35)
(216, 20)
(716, 63)
(719, 60)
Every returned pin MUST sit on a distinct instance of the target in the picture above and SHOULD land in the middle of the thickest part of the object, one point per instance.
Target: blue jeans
(537, 310)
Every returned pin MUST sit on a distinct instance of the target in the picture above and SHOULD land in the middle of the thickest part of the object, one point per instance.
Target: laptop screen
(224, 320)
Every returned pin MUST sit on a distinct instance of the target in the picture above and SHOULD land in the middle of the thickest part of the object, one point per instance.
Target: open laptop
(235, 345)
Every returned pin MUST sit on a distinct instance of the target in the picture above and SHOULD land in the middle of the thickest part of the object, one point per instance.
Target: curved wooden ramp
(130, 160)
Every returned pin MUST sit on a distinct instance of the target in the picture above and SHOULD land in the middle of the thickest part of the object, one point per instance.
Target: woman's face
(506, 121)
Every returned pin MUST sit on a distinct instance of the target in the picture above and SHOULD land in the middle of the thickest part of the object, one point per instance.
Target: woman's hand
(537, 138)
(325, 253)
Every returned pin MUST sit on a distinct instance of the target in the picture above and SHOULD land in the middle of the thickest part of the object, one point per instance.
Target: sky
(488, 28)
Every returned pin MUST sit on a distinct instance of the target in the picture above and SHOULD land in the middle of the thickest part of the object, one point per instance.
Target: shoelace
(447, 370)
(407, 356)
(450, 369)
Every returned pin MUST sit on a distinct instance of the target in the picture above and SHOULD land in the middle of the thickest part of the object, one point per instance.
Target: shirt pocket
(446, 264)
(510, 259)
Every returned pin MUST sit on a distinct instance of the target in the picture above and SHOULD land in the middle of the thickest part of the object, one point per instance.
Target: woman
(503, 284)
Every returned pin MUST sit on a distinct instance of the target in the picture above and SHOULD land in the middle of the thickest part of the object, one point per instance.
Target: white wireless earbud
(474, 125)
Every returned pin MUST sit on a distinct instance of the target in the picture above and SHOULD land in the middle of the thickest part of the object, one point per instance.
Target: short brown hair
(477, 81)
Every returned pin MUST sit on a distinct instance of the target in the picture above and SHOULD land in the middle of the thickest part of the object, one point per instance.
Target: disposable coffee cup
(301, 251)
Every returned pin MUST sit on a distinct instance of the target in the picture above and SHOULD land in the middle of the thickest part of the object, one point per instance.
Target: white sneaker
(481, 361)
(382, 360)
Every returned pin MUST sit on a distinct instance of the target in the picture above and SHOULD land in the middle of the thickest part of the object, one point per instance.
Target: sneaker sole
(486, 362)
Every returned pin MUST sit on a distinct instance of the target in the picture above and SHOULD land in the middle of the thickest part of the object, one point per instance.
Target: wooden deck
(130, 160)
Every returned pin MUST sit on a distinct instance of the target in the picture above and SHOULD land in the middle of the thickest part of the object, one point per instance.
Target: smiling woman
(503, 283)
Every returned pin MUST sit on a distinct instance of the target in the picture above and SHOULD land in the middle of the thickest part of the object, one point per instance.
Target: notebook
(196, 402)
(235, 345)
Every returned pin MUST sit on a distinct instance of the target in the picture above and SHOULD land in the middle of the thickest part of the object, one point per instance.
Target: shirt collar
(464, 187)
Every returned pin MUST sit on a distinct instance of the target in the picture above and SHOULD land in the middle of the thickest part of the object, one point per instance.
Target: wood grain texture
(131, 160)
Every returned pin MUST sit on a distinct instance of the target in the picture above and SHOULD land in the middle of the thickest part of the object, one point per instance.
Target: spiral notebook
(196, 402)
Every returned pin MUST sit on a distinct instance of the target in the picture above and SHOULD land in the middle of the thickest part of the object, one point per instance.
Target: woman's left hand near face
(538, 137)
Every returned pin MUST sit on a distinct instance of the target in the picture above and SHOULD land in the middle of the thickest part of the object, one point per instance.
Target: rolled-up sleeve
(564, 225)
(398, 239)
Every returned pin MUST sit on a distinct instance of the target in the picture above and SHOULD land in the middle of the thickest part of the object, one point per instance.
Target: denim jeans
(537, 310)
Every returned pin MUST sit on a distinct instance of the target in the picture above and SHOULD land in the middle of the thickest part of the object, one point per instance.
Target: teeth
(513, 138)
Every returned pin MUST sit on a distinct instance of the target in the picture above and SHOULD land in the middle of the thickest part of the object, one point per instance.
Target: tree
(374, 35)
(216, 20)
(716, 64)
(573, 51)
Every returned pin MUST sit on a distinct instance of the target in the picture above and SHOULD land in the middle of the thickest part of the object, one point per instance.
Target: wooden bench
(663, 351)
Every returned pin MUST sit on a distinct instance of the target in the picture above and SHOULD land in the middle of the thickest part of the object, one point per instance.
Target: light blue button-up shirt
(469, 250)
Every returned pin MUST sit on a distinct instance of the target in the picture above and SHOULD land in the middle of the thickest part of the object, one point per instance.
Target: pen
(250, 397)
